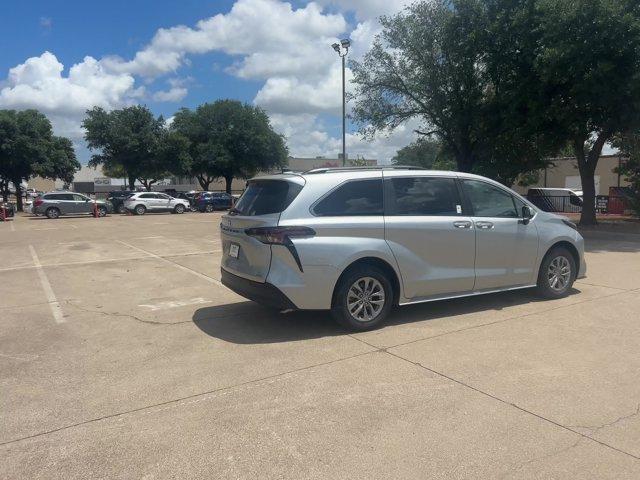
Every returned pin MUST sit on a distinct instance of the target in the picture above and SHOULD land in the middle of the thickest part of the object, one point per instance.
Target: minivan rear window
(266, 197)
(353, 198)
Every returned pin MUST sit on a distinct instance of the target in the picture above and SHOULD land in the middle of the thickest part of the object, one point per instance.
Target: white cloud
(285, 47)
(308, 137)
(39, 83)
(368, 9)
(257, 29)
(46, 23)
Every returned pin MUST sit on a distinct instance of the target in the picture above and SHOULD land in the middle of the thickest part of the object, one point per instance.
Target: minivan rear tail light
(37, 202)
(281, 236)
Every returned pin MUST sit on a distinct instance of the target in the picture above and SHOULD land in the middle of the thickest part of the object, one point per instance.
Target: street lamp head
(336, 47)
(346, 43)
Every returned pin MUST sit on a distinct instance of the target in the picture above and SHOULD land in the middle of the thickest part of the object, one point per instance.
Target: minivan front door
(431, 239)
(506, 248)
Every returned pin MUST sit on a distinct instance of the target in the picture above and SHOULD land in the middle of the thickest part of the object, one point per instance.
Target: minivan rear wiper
(234, 211)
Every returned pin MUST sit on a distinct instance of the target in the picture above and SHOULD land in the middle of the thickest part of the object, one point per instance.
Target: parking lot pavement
(121, 356)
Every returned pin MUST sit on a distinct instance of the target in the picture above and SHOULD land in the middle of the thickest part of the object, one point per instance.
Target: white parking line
(56, 310)
(174, 304)
(177, 265)
(12, 226)
(103, 260)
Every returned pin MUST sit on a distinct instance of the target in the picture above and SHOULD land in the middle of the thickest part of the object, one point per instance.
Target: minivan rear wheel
(363, 298)
(557, 273)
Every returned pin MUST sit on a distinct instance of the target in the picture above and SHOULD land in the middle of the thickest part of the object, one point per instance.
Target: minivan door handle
(484, 225)
(463, 224)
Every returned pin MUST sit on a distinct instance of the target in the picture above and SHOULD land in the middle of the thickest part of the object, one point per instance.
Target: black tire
(209, 208)
(340, 309)
(122, 209)
(102, 211)
(52, 213)
(557, 273)
(178, 209)
(140, 209)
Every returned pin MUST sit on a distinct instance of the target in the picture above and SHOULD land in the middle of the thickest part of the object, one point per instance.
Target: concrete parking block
(415, 322)
(373, 416)
(99, 363)
(578, 367)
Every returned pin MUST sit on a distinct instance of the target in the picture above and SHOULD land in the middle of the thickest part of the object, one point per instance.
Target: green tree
(29, 148)
(129, 140)
(588, 63)
(228, 139)
(425, 153)
(436, 62)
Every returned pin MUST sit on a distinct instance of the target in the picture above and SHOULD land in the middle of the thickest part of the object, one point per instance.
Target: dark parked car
(117, 199)
(210, 201)
(189, 197)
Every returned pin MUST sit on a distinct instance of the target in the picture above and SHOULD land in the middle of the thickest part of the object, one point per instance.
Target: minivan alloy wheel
(365, 299)
(559, 273)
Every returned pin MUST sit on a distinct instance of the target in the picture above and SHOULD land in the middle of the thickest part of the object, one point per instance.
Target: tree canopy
(28, 148)
(504, 84)
(425, 153)
(227, 139)
(133, 141)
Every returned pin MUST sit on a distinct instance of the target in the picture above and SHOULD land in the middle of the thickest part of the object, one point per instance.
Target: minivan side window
(423, 196)
(353, 198)
(488, 200)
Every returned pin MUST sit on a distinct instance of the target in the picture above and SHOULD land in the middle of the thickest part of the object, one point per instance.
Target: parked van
(359, 241)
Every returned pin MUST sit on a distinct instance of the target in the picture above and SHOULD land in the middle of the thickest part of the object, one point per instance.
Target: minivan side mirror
(527, 214)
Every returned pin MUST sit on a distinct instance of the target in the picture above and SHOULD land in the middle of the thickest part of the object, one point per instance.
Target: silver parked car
(143, 202)
(55, 204)
(360, 241)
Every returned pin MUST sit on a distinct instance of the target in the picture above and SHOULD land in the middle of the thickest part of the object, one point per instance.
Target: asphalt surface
(122, 356)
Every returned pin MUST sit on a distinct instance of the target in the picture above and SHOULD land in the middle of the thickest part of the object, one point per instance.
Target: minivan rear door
(260, 206)
(431, 237)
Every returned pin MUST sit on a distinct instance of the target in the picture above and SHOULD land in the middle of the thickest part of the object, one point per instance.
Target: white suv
(143, 202)
(359, 241)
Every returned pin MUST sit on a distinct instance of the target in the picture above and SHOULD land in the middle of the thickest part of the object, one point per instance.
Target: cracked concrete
(503, 386)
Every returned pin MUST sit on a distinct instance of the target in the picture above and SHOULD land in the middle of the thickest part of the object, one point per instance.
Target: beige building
(564, 174)
(42, 184)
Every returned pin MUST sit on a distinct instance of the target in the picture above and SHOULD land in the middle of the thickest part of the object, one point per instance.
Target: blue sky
(63, 57)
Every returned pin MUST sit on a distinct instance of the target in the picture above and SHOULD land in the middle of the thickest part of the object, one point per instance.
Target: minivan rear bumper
(263, 293)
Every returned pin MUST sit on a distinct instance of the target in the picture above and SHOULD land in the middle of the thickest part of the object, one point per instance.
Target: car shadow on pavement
(249, 323)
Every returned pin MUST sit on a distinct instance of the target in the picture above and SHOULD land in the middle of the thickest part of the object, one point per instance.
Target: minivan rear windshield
(265, 197)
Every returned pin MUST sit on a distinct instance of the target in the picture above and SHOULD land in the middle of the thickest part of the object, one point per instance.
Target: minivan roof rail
(372, 167)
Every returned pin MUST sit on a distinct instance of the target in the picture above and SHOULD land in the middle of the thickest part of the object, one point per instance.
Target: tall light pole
(342, 49)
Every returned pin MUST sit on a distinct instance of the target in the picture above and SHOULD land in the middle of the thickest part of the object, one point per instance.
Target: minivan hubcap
(365, 299)
(559, 273)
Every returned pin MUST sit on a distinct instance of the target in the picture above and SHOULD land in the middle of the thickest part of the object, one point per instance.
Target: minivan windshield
(265, 197)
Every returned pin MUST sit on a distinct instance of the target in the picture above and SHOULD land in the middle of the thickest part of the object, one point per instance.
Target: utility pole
(342, 49)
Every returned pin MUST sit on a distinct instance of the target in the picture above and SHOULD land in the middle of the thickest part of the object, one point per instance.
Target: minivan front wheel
(557, 273)
(363, 299)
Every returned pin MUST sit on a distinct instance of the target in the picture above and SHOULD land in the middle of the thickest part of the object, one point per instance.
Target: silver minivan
(358, 241)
